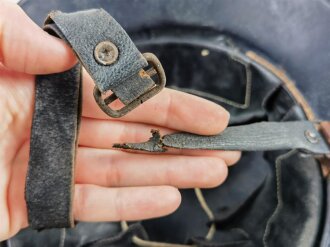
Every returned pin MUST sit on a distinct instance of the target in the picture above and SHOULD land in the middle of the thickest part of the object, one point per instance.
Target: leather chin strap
(107, 53)
(54, 134)
(263, 136)
(113, 61)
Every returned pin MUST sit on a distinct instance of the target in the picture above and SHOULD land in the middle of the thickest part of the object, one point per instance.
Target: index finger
(170, 108)
(25, 47)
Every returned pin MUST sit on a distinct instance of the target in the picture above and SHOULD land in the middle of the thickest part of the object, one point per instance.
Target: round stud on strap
(311, 136)
(106, 53)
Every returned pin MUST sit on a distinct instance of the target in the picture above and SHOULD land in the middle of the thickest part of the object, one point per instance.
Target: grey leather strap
(253, 137)
(110, 57)
(84, 30)
(50, 177)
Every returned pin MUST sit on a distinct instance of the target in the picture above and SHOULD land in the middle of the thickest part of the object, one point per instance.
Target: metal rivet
(106, 53)
(311, 136)
(205, 52)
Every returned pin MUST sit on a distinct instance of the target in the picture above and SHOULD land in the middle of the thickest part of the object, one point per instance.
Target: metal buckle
(157, 69)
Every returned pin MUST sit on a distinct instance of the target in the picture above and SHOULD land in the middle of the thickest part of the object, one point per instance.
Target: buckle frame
(157, 69)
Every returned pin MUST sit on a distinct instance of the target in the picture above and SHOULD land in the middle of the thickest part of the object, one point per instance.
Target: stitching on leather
(248, 87)
(278, 172)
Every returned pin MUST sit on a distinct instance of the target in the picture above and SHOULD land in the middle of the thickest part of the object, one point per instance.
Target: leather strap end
(54, 134)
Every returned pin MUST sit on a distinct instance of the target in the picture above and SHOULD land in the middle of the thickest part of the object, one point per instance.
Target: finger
(94, 203)
(229, 157)
(16, 214)
(170, 108)
(25, 47)
(103, 134)
(117, 169)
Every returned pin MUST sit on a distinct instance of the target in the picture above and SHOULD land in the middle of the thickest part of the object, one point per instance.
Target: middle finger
(104, 133)
(110, 168)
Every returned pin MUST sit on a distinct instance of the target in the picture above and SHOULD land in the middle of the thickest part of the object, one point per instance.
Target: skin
(110, 185)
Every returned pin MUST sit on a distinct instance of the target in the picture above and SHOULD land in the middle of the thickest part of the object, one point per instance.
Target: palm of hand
(16, 104)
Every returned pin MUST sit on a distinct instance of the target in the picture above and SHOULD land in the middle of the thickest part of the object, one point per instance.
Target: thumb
(25, 47)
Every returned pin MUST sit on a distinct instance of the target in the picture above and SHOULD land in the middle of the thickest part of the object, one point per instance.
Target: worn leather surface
(50, 176)
(132, 88)
(57, 110)
(262, 136)
(84, 30)
(291, 207)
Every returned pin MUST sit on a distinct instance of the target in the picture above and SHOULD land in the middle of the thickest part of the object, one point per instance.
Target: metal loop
(157, 69)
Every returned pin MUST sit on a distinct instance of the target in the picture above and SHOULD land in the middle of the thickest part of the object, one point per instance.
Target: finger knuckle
(112, 174)
(234, 157)
(214, 173)
(119, 205)
(80, 202)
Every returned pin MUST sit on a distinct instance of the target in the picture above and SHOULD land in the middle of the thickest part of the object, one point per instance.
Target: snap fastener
(311, 136)
(106, 53)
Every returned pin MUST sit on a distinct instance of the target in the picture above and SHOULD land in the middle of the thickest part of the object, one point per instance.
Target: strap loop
(110, 57)
(113, 61)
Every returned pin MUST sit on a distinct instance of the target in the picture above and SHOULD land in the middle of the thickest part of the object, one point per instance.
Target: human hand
(110, 185)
